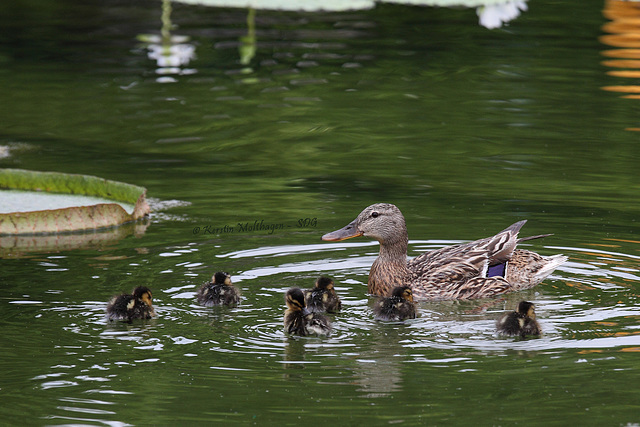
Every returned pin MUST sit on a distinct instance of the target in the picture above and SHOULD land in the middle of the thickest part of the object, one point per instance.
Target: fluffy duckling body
(520, 322)
(322, 297)
(137, 305)
(219, 291)
(398, 307)
(298, 320)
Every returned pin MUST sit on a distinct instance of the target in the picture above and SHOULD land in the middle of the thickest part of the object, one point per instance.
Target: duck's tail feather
(552, 262)
(514, 228)
(539, 236)
(530, 269)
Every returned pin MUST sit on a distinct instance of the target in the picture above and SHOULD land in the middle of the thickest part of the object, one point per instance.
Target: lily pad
(83, 216)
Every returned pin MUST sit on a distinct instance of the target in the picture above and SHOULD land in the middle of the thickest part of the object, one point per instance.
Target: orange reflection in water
(624, 37)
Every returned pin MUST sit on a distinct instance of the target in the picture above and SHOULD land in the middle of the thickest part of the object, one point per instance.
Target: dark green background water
(465, 129)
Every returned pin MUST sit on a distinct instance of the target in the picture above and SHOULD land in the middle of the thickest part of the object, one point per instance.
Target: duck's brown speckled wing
(498, 248)
(458, 272)
(476, 287)
(468, 262)
(457, 279)
(483, 287)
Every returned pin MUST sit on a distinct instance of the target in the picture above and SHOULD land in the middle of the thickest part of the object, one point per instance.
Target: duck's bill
(347, 232)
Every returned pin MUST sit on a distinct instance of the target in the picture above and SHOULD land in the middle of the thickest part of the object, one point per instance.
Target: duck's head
(143, 294)
(526, 309)
(382, 221)
(324, 283)
(222, 278)
(295, 301)
(403, 292)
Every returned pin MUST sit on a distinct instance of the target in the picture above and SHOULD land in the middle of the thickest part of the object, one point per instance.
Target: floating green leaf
(71, 218)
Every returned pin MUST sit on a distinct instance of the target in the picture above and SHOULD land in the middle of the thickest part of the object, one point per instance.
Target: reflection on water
(624, 37)
(492, 13)
(498, 14)
(24, 245)
(171, 53)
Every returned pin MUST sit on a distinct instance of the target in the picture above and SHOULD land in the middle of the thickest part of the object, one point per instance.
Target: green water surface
(250, 151)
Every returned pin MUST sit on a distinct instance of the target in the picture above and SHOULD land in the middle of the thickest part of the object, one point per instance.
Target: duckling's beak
(346, 232)
(305, 311)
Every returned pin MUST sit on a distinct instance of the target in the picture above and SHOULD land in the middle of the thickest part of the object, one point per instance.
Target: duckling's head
(143, 294)
(403, 292)
(222, 278)
(381, 221)
(295, 301)
(324, 283)
(526, 309)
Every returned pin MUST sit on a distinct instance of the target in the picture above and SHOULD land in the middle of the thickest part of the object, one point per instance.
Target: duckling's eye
(374, 214)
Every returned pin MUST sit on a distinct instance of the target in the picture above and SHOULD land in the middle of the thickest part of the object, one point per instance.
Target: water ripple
(588, 305)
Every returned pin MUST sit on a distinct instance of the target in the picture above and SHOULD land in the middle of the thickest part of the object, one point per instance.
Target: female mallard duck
(218, 291)
(300, 321)
(520, 322)
(478, 269)
(137, 305)
(322, 297)
(398, 307)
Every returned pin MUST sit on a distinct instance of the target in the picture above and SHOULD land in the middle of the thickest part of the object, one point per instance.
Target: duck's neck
(390, 268)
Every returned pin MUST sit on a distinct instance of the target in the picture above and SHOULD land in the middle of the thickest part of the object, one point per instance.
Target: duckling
(398, 307)
(219, 291)
(322, 297)
(137, 305)
(520, 322)
(300, 321)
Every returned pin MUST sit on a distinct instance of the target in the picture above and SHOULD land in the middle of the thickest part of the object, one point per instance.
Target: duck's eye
(374, 214)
